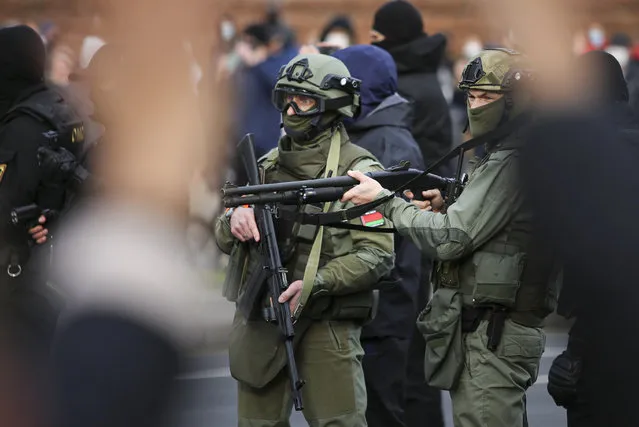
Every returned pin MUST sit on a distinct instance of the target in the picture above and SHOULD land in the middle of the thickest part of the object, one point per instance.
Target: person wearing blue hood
(383, 128)
(263, 53)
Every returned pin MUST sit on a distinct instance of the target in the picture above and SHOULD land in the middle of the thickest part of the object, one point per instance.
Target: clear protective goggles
(304, 103)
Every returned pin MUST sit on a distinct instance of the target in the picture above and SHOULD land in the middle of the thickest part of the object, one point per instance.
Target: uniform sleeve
(372, 257)
(487, 204)
(223, 236)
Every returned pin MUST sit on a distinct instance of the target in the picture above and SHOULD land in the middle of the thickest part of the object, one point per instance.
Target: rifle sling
(338, 219)
(312, 264)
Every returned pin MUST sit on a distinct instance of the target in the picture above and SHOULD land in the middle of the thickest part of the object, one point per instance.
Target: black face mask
(385, 44)
(22, 62)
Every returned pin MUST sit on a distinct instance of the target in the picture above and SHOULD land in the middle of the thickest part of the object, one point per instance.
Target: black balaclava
(22, 63)
(602, 79)
(400, 22)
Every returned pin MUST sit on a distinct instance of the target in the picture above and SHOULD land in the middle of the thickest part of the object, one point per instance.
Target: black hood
(423, 54)
(22, 62)
(393, 111)
(603, 82)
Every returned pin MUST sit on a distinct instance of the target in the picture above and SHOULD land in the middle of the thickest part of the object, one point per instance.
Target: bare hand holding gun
(39, 233)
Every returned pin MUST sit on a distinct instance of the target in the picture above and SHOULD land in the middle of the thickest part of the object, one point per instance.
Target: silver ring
(15, 272)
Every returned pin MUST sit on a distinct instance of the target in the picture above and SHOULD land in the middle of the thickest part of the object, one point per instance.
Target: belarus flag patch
(372, 219)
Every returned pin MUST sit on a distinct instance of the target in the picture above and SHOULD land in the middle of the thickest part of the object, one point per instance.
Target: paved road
(207, 395)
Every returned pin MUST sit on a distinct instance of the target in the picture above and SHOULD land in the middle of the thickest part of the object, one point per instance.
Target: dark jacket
(385, 133)
(256, 114)
(417, 64)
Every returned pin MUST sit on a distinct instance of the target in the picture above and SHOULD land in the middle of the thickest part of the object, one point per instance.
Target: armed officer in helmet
(313, 93)
(31, 117)
(494, 287)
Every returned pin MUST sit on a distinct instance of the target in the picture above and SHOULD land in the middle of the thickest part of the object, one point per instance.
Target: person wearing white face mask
(339, 33)
(596, 37)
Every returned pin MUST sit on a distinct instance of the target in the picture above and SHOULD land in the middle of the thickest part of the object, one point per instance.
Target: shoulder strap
(312, 265)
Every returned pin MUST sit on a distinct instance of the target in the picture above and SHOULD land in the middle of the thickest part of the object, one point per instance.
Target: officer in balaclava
(31, 117)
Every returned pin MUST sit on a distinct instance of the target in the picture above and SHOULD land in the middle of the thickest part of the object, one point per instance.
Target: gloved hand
(58, 165)
(563, 377)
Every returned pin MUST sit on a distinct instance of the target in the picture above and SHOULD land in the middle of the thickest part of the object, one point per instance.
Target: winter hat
(399, 22)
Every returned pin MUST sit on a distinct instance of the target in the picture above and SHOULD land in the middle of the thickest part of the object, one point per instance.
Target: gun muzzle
(25, 214)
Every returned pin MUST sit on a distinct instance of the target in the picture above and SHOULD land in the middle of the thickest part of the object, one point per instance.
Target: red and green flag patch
(372, 219)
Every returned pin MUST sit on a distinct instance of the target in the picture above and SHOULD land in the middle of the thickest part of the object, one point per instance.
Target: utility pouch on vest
(307, 232)
(497, 278)
(440, 324)
(256, 349)
(360, 307)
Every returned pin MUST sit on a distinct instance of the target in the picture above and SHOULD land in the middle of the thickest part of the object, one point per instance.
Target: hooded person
(611, 143)
(399, 29)
(31, 116)
(330, 274)
(383, 128)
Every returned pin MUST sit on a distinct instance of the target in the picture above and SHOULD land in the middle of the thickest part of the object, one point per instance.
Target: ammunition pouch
(360, 307)
(497, 278)
(441, 326)
(485, 278)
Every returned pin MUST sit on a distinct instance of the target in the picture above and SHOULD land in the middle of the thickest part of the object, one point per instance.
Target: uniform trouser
(492, 387)
(329, 359)
(423, 402)
(423, 407)
(385, 372)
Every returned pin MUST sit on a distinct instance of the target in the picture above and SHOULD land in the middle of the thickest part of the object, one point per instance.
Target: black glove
(58, 165)
(563, 377)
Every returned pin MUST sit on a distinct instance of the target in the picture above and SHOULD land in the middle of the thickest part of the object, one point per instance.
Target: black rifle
(272, 265)
(332, 189)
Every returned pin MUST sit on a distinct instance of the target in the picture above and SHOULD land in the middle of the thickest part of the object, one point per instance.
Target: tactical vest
(296, 240)
(513, 270)
(48, 107)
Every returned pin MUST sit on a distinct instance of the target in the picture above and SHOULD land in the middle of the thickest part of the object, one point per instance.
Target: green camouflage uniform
(328, 351)
(485, 251)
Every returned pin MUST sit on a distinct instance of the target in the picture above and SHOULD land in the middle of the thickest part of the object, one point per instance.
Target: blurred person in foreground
(398, 28)
(314, 94)
(494, 285)
(383, 128)
(134, 306)
(599, 295)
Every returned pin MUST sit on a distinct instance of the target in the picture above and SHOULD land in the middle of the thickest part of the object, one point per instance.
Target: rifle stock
(272, 264)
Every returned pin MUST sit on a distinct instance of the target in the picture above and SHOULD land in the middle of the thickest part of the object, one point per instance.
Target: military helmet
(495, 70)
(323, 78)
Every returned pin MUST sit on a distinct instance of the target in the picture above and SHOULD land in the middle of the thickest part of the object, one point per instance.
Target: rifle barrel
(386, 178)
